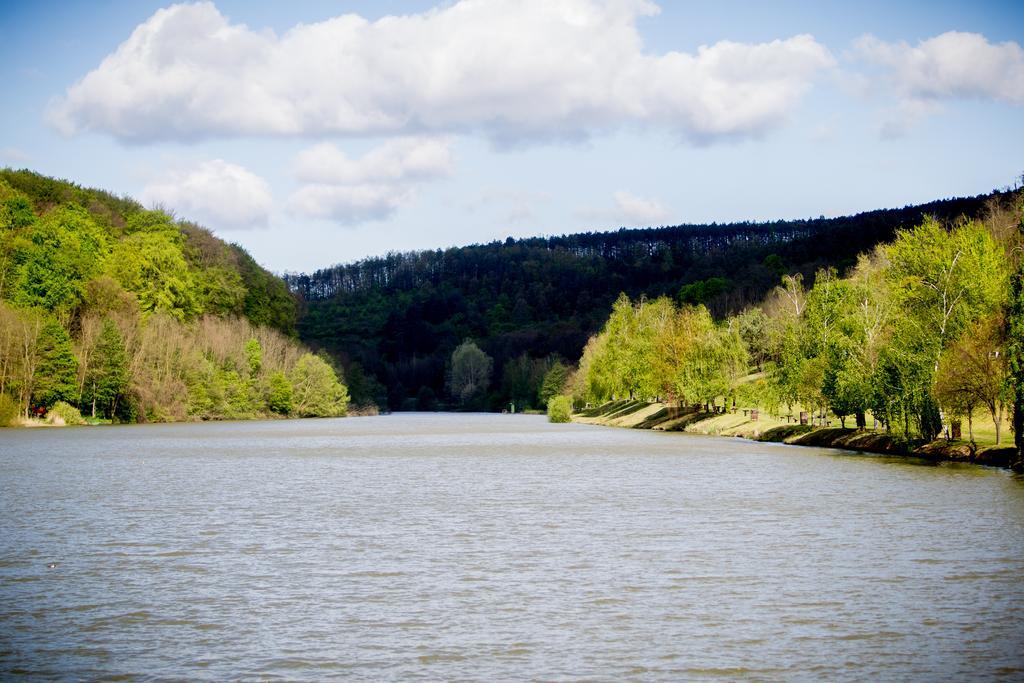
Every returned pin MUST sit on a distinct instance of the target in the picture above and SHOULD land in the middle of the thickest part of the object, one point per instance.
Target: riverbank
(663, 417)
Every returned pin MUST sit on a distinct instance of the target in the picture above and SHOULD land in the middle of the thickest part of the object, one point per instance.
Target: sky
(321, 132)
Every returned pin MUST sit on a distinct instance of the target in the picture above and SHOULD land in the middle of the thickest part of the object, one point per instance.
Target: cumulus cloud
(511, 69)
(400, 160)
(628, 210)
(950, 66)
(370, 187)
(216, 193)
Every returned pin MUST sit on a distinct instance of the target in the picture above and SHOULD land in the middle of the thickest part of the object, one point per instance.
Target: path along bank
(763, 427)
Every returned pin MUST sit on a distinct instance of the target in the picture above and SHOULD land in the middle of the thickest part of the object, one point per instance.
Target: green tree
(279, 393)
(62, 251)
(316, 391)
(973, 372)
(57, 372)
(107, 379)
(469, 373)
(554, 382)
(151, 266)
(254, 357)
(1015, 358)
(944, 280)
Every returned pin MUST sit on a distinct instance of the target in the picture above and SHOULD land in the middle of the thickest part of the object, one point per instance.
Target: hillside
(131, 315)
(395, 320)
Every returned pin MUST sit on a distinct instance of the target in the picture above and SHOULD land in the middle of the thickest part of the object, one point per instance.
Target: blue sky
(312, 139)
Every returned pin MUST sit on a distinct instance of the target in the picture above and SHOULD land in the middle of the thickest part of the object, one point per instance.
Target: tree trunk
(997, 418)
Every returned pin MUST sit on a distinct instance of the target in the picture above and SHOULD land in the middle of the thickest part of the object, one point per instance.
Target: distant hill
(395, 320)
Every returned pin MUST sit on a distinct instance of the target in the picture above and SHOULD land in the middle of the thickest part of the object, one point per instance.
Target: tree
(469, 373)
(753, 327)
(973, 372)
(62, 251)
(1015, 358)
(845, 385)
(701, 359)
(151, 266)
(107, 379)
(253, 357)
(316, 391)
(945, 280)
(57, 371)
(279, 393)
(554, 382)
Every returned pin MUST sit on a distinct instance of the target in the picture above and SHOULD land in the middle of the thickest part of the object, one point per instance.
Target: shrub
(64, 413)
(8, 410)
(560, 409)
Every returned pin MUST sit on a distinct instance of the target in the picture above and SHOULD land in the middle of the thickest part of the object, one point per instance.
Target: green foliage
(316, 391)
(652, 348)
(151, 266)
(400, 315)
(554, 382)
(522, 379)
(8, 410)
(702, 291)
(57, 369)
(869, 342)
(560, 409)
(364, 389)
(279, 393)
(65, 413)
(943, 280)
(59, 253)
(1015, 357)
(107, 377)
(254, 357)
(469, 374)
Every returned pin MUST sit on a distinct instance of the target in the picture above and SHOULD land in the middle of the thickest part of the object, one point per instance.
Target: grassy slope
(662, 417)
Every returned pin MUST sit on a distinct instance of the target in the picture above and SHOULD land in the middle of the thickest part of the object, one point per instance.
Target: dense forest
(926, 326)
(530, 304)
(119, 313)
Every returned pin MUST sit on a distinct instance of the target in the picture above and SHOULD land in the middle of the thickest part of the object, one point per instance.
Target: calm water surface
(496, 547)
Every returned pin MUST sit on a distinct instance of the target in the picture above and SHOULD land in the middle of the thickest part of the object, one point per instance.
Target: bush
(64, 414)
(560, 409)
(8, 410)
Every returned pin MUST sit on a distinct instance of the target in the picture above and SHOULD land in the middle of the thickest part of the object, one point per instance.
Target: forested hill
(398, 318)
(198, 273)
(126, 314)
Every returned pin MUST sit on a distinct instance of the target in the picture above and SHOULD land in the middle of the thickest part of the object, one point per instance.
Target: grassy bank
(663, 417)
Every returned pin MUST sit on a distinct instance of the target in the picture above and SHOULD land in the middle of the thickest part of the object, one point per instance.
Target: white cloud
(950, 65)
(349, 204)
(512, 69)
(628, 210)
(372, 187)
(404, 159)
(216, 193)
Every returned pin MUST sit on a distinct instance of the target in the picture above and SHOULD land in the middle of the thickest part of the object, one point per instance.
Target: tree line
(394, 321)
(923, 330)
(127, 314)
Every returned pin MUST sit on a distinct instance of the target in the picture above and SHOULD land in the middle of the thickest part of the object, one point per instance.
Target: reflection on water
(487, 546)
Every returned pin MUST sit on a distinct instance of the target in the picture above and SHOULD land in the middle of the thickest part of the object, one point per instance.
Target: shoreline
(663, 417)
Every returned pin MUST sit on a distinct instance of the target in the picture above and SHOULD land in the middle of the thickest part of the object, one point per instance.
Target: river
(491, 547)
